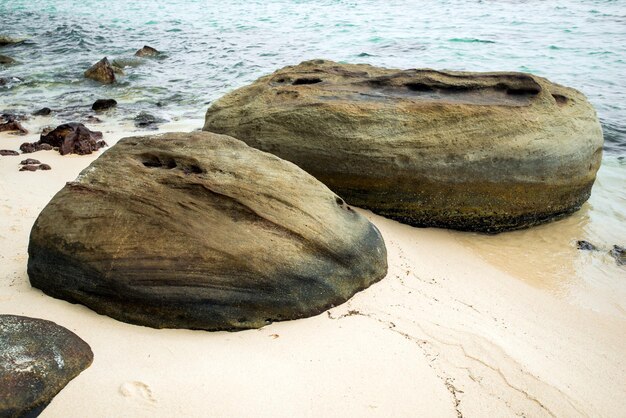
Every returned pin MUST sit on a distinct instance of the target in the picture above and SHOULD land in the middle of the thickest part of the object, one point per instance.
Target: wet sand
(458, 327)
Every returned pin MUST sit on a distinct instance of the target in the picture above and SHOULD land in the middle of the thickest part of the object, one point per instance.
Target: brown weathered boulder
(198, 230)
(472, 151)
(101, 71)
(147, 51)
(37, 359)
(73, 138)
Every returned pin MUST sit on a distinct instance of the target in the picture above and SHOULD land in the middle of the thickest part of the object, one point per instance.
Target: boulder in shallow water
(103, 104)
(101, 71)
(472, 151)
(44, 111)
(147, 120)
(198, 230)
(73, 138)
(7, 40)
(147, 51)
(37, 359)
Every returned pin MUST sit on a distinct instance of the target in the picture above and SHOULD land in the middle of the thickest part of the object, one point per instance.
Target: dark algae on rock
(472, 151)
(198, 230)
(37, 359)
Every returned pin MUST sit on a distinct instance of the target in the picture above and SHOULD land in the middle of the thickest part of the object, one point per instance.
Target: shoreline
(451, 330)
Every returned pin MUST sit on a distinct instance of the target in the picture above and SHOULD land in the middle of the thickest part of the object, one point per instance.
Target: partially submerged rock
(101, 71)
(585, 245)
(73, 138)
(44, 111)
(13, 126)
(7, 40)
(103, 104)
(6, 60)
(37, 359)
(471, 151)
(198, 230)
(147, 120)
(619, 254)
(147, 51)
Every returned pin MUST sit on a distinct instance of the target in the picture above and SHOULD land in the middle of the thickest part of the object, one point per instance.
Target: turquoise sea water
(213, 47)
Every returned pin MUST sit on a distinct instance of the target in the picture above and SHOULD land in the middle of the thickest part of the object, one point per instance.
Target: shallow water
(213, 47)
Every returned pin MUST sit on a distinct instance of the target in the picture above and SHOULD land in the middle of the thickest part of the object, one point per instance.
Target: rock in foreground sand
(37, 359)
(198, 230)
(472, 151)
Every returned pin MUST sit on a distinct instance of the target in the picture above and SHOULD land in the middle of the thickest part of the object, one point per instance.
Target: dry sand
(447, 333)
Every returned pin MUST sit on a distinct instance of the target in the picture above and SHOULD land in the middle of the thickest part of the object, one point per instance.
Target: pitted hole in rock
(307, 80)
(152, 161)
(192, 169)
(339, 201)
(419, 87)
(522, 91)
(560, 99)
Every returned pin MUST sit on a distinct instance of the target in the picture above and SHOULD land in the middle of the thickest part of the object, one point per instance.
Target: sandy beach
(451, 331)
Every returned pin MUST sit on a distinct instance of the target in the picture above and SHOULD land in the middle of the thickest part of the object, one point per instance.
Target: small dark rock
(147, 51)
(101, 71)
(73, 138)
(8, 80)
(101, 144)
(8, 152)
(43, 112)
(30, 161)
(93, 119)
(29, 167)
(103, 104)
(5, 60)
(45, 167)
(585, 245)
(619, 254)
(29, 147)
(13, 125)
(37, 359)
(147, 120)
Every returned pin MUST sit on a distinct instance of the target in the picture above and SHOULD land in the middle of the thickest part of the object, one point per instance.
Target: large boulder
(198, 230)
(471, 151)
(37, 359)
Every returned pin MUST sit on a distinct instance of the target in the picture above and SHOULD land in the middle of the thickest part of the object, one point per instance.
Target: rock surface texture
(37, 359)
(198, 230)
(472, 151)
